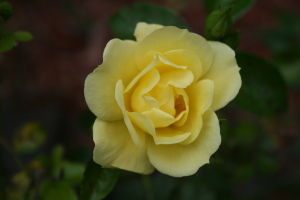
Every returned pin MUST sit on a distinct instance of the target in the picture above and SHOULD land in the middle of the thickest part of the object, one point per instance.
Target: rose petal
(99, 87)
(139, 100)
(143, 29)
(225, 74)
(160, 135)
(159, 118)
(182, 111)
(183, 57)
(142, 73)
(137, 134)
(171, 38)
(167, 104)
(184, 160)
(114, 148)
(179, 78)
(118, 60)
(169, 136)
(162, 94)
(200, 99)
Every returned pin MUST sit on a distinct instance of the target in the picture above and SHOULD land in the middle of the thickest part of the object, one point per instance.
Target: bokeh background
(42, 101)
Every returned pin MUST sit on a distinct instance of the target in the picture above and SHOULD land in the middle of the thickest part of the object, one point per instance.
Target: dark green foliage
(239, 9)
(218, 24)
(6, 10)
(23, 36)
(124, 21)
(284, 41)
(7, 42)
(50, 190)
(263, 90)
(97, 181)
(232, 39)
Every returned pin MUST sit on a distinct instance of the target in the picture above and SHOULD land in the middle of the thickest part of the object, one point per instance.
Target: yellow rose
(155, 98)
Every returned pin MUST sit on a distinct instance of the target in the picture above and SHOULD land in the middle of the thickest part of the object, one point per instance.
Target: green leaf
(23, 36)
(56, 158)
(7, 42)
(6, 10)
(124, 21)
(73, 172)
(218, 23)
(232, 39)
(97, 182)
(50, 190)
(239, 9)
(263, 90)
(283, 41)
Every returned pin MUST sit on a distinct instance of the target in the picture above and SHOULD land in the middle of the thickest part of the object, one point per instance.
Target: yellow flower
(155, 98)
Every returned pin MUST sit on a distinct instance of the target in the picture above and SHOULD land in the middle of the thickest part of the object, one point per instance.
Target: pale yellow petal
(143, 29)
(183, 57)
(182, 106)
(159, 117)
(171, 38)
(200, 95)
(131, 42)
(137, 134)
(99, 87)
(99, 93)
(167, 104)
(171, 64)
(160, 135)
(118, 61)
(168, 136)
(200, 99)
(184, 160)
(114, 148)
(142, 73)
(139, 100)
(143, 122)
(225, 74)
(162, 94)
(179, 78)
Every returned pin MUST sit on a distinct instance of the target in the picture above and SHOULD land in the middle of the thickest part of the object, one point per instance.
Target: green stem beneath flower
(148, 187)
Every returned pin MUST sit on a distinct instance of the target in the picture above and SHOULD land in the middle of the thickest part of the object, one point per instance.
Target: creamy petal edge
(137, 134)
(184, 160)
(201, 96)
(118, 63)
(114, 148)
(224, 72)
(171, 38)
(143, 29)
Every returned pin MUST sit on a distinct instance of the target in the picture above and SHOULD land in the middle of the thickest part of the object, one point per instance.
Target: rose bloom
(155, 100)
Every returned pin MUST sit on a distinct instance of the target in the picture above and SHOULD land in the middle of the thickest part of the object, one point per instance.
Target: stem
(12, 153)
(148, 187)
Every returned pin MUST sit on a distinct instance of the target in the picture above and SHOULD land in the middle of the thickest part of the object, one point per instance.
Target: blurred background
(42, 103)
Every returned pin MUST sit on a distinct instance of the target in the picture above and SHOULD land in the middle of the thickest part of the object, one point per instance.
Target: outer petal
(184, 160)
(225, 74)
(172, 38)
(114, 148)
(143, 29)
(99, 89)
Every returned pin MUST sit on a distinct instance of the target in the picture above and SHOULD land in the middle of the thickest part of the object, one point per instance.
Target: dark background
(42, 81)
